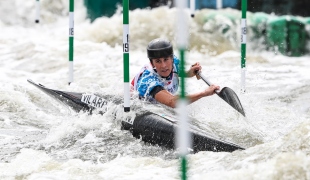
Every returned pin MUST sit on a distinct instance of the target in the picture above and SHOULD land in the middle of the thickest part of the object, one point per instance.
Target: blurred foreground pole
(126, 55)
(219, 4)
(243, 44)
(182, 137)
(71, 37)
(192, 7)
(37, 20)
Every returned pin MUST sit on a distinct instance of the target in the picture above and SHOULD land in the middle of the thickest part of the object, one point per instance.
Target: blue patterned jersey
(147, 79)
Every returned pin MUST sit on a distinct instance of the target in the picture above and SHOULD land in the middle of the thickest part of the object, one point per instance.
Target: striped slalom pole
(183, 136)
(37, 20)
(243, 44)
(219, 4)
(192, 7)
(126, 55)
(71, 38)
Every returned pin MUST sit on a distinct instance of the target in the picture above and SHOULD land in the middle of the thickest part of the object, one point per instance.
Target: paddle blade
(232, 99)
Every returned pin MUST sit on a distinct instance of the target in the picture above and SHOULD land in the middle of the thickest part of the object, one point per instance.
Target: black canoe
(153, 128)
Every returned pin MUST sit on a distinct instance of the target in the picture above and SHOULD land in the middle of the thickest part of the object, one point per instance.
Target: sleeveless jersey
(148, 78)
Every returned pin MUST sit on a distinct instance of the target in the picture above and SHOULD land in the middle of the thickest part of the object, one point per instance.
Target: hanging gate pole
(71, 38)
(183, 137)
(126, 55)
(243, 44)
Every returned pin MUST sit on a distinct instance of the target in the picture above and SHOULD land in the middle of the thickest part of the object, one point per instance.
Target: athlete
(159, 79)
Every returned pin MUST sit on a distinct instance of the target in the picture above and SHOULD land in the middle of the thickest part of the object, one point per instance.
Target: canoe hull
(150, 127)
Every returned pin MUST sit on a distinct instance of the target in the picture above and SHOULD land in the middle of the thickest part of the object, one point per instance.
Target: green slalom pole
(71, 38)
(243, 44)
(183, 136)
(126, 55)
(37, 20)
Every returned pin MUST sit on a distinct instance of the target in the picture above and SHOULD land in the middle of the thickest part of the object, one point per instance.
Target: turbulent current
(42, 139)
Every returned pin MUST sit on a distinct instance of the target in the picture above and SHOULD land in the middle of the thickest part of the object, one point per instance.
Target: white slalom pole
(219, 4)
(37, 20)
(192, 7)
(183, 139)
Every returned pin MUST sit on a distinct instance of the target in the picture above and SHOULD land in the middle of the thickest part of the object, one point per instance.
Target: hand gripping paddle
(227, 95)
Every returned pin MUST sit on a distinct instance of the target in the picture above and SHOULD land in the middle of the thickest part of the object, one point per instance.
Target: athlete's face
(163, 66)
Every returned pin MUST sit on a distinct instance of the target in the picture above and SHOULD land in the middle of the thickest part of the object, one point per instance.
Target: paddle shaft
(203, 78)
(206, 80)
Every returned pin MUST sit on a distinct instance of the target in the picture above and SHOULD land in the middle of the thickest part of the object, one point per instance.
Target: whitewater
(42, 139)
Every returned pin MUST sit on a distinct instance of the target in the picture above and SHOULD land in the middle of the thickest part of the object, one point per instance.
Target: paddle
(226, 94)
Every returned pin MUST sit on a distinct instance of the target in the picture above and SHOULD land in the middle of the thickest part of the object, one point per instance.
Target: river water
(42, 139)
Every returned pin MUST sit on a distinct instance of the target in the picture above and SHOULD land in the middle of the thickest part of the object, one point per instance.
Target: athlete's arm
(165, 97)
(208, 92)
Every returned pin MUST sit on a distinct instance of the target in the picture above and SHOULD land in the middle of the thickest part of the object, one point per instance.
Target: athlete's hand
(211, 90)
(194, 68)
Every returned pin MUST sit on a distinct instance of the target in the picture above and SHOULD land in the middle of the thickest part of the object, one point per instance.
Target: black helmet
(159, 48)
